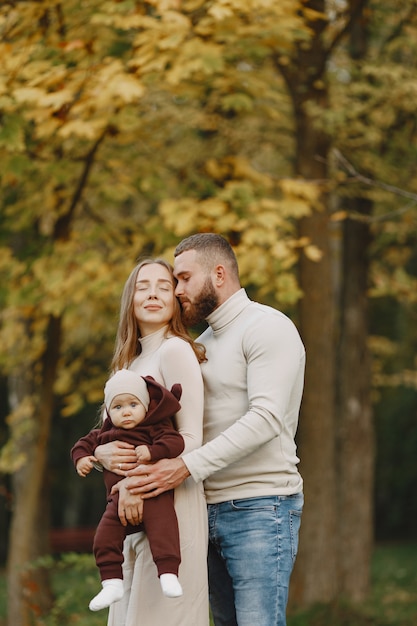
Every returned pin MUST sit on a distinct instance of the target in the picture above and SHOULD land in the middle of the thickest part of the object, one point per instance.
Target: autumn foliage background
(290, 128)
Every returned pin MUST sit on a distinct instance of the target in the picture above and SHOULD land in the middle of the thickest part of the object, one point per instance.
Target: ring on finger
(120, 466)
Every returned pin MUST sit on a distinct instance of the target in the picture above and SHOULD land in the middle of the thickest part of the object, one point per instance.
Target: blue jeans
(252, 548)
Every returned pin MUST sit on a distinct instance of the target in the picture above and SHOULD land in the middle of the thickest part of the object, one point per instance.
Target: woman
(152, 341)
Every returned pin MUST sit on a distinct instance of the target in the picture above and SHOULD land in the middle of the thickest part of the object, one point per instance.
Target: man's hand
(130, 506)
(117, 456)
(152, 480)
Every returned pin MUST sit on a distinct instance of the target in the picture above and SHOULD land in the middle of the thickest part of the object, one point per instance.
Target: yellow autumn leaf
(192, 5)
(73, 403)
(176, 20)
(150, 62)
(243, 169)
(19, 418)
(301, 188)
(220, 12)
(267, 219)
(110, 68)
(95, 396)
(280, 250)
(213, 207)
(127, 88)
(166, 5)
(293, 207)
(216, 169)
(74, 44)
(51, 77)
(230, 221)
(196, 57)
(56, 99)
(179, 215)
(339, 216)
(186, 222)
(3, 86)
(171, 41)
(312, 14)
(80, 128)
(11, 459)
(287, 289)
(313, 253)
(126, 22)
(257, 236)
(269, 204)
(28, 94)
(46, 127)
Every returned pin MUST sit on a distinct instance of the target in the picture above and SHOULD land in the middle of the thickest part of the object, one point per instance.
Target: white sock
(170, 584)
(111, 592)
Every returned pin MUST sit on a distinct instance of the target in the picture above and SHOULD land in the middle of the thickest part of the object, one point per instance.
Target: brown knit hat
(126, 381)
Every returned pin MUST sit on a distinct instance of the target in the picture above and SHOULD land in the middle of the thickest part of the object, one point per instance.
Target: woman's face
(153, 302)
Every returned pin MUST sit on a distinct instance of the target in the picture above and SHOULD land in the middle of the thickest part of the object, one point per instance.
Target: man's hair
(211, 249)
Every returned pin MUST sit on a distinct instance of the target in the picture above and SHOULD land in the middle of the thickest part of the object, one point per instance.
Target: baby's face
(126, 411)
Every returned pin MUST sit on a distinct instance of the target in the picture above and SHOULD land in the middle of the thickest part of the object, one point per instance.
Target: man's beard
(204, 304)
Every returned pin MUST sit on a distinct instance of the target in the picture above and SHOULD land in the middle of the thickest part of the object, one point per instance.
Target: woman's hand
(117, 456)
(130, 506)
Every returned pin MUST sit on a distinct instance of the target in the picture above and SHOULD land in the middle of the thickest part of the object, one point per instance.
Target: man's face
(195, 289)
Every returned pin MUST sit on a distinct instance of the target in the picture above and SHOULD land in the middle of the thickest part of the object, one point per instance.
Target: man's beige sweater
(253, 382)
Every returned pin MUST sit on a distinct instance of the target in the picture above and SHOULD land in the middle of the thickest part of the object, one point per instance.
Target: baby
(139, 411)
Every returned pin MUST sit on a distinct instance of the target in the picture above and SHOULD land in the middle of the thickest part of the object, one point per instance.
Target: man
(253, 382)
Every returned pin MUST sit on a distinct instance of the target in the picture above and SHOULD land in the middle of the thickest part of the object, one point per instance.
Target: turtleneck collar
(227, 311)
(152, 342)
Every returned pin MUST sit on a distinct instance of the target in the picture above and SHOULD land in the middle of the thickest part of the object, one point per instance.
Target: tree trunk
(355, 428)
(315, 578)
(334, 432)
(356, 454)
(28, 589)
(312, 581)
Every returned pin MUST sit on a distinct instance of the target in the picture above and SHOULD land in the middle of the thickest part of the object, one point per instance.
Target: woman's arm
(179, 365)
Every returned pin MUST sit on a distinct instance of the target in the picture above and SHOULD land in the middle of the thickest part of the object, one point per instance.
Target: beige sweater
(170, 360)
(253, 381)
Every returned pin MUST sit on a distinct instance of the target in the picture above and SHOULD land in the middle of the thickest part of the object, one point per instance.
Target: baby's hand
(85, 465)
(143, 454)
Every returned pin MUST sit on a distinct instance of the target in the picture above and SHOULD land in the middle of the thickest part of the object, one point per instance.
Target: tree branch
(357, 176)
(63, 223)
(345, 164)
(354, 15)
(404, 21)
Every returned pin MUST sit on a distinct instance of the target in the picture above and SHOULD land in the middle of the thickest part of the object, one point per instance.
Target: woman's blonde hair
(127, 346)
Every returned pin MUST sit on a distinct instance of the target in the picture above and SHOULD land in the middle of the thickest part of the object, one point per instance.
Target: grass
(392, 601)
(393, 597)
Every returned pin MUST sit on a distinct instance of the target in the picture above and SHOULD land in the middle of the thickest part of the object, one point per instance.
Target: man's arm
(130, 506)
(274, 363)
(152, 480)
(275, 360)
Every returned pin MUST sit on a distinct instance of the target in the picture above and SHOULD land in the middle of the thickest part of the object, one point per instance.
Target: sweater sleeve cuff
(191, 462)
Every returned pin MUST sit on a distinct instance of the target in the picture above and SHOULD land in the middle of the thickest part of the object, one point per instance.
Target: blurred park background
(290, 128)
